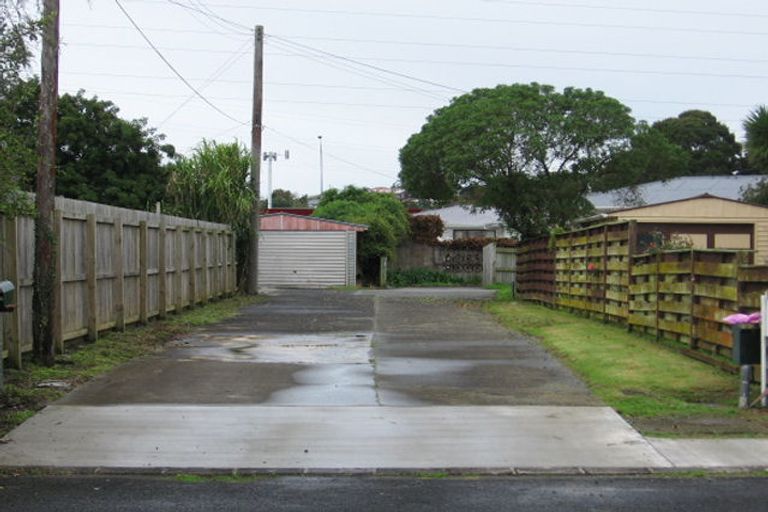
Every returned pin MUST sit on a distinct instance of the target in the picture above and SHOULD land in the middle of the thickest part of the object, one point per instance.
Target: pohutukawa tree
(525, 150)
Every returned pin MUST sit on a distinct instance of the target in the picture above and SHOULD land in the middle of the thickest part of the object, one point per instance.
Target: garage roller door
(306, 259)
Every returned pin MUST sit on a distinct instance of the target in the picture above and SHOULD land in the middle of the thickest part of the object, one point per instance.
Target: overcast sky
(658, 57)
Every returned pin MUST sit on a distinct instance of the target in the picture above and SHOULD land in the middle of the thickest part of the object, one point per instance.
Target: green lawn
(21, 397)
(658, 389)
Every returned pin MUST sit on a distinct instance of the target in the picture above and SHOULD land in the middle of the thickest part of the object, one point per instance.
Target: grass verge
(658, 390)
(28, 390)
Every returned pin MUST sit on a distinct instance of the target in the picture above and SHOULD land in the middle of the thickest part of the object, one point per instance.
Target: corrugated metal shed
(307, 252)
(728, 187)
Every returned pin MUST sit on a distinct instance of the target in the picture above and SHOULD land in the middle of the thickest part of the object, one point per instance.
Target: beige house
(707, 221)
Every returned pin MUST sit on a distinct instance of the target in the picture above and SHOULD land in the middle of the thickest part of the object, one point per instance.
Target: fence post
(489, 264)
(192, 257)
(605, 272)
(178, 277)
(143, 272)
(221, 264)
(119, 271)
(383, 271)
(692, 341)
(658, 299)
(232, 258)
(90, 273)
(13, 320)
(204, 284)
(58, 285)
(162, 276)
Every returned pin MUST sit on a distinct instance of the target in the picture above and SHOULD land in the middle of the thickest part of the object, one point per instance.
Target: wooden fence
(115, 267)
(499, 264)
(682, 295)
(536, 271)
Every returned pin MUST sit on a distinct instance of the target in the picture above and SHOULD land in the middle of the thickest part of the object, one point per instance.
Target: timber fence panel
(617, 267)
(26, 253)
(74, 286)
(678, 295)
(675, 297)
(153, 271)
(643, 294)
(715, 295)
(506, 265)
(109, 274)
(131, 272)
(536, 271)
(105, 275)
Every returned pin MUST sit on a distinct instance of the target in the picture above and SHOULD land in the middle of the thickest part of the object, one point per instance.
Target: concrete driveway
(329, 380)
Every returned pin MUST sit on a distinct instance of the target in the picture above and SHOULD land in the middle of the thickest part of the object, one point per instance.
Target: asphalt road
(135, 493)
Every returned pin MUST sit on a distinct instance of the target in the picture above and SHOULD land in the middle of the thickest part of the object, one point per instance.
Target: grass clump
(656, 388)
(25, 391)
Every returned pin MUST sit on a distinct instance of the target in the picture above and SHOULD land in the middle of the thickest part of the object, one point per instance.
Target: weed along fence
(681, 295)
(114, 267)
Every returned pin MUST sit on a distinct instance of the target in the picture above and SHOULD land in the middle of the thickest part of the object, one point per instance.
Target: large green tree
(100, 156)
(711, 146)
(104, 158)
(649, 157)
(527, 151)
(756, 129)
(385, 216)
(17, 139)
(282, 198)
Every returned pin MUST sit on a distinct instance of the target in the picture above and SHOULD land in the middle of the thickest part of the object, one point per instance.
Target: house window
(733, 241)
(473, 233)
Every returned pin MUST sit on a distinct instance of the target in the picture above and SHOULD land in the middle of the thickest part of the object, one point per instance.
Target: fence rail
(115, 267)
(682, 295)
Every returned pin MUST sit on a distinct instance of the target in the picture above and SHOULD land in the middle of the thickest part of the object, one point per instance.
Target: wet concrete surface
(436, 352)
(338, 348)
(330, 379)
(327, 438)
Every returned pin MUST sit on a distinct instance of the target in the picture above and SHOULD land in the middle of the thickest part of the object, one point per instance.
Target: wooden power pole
(43, 302)
(256, 127)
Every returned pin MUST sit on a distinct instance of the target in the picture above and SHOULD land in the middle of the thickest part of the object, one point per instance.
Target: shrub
(423, 277)
(426, 229)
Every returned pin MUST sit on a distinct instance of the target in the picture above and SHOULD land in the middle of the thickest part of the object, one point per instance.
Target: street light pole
(269, 157)
(320, 139)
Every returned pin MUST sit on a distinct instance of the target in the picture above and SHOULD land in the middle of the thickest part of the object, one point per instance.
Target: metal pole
(270, 158)
(320, 138)
(746, 379)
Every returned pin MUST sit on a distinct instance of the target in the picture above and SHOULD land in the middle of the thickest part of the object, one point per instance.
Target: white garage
(307, 252)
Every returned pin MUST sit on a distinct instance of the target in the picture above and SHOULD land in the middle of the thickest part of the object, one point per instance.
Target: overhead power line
(216, 74)
(604, 7)
(356, 70)
(238, 28)
(532, 49)
(353, 87)
(478, 19)
(366, 65)
(171, 67)
(452, 45)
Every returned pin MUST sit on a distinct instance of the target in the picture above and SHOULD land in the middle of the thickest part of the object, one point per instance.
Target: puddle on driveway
(329, 384)
(323, 349)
